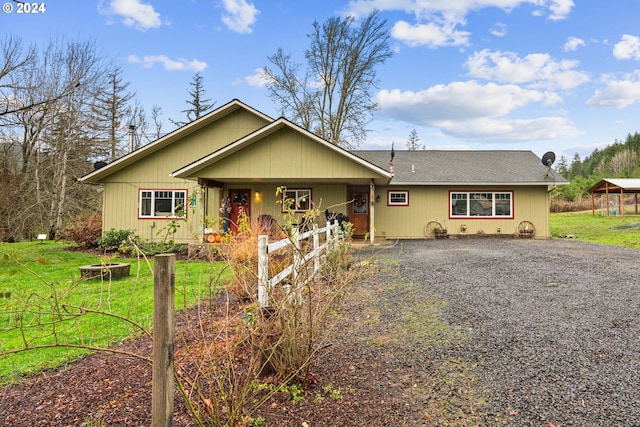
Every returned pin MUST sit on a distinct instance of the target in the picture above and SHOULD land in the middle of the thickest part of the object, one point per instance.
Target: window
(162, 203)
(298, 200)
(497, 204)
(398, 198)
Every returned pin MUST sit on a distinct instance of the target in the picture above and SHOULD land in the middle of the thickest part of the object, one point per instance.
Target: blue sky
(540, 75)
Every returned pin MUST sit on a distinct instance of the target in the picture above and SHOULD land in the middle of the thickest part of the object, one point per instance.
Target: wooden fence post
(163, 340)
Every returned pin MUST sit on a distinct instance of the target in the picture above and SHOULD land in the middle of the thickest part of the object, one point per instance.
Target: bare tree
(138, 124)
(620, 164)
(199, 105)
(55, 135)
(156, 112)
(110, 109)
(332, 97)
(14, 58)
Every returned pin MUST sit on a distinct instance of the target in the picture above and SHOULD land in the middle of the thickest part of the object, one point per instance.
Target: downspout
(372, 227)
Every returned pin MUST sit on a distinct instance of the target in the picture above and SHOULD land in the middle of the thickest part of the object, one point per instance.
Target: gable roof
(124, 161)
(491, 167)
(616, 185)
(191, 170)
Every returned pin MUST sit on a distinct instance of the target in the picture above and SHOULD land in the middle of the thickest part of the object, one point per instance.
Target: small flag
(393, 154)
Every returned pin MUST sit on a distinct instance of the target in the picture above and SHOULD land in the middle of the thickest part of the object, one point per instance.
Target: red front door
(240, 204)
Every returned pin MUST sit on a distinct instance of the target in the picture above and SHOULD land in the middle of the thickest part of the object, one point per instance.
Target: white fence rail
(300, 260)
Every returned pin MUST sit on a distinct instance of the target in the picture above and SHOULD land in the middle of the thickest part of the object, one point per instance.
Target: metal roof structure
(616, 185)
(619, 186)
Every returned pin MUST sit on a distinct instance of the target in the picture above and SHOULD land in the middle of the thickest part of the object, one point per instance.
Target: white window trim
(493, 205)
(173, 203)
(403, 192)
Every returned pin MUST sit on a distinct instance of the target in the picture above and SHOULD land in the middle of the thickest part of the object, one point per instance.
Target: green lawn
(613, 230)
(43, 302)
(41, 293)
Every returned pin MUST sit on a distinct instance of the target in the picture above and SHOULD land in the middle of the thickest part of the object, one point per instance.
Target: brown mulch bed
(115, 390)
(366, 377)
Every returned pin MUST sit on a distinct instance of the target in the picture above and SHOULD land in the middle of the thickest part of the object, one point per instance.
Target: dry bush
(252, 352)
(85, 230)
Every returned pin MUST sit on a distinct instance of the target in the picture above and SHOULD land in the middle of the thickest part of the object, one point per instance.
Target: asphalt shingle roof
(435, 167)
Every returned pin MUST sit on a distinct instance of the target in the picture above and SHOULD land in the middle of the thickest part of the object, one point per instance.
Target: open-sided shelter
(612, 192)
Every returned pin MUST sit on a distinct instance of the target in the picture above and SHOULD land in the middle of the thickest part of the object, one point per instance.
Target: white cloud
(180, 64)
(627, 48)
(258, 79)
(438, 22)
(457, 100)
(133, 13)
(239, 15)
(431, 34)
(499, 30)
(535, 70)
(474, 111)
(511, 130)
(573, 43)
(618, 93)
(560, 9)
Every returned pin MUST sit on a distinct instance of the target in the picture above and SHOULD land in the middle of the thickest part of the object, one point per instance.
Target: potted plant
(439, 232)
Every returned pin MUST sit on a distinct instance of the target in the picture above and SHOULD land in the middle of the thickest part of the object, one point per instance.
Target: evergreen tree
(413, 141)
(563, 168)
(110, 110)
(198, 104)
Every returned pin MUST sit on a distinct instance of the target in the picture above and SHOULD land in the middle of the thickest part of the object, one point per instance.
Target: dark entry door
(240, 203)
(359, 213)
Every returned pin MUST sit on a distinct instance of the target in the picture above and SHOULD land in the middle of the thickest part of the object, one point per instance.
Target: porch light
(257, 195)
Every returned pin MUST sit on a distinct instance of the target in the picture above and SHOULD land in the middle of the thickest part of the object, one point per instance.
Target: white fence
(300, 260)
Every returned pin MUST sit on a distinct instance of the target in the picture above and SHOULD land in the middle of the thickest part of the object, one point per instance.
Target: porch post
(372, 198)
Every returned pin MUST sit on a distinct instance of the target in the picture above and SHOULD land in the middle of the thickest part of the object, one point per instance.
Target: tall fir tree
(110, 110)
(198, 104)
(413, 141)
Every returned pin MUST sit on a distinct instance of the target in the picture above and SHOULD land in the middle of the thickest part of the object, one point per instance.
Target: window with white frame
(481, 204)
(162, 203)
(298, 199)
(397, 198)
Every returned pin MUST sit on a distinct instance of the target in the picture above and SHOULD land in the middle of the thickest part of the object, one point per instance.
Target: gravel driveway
(552, 325)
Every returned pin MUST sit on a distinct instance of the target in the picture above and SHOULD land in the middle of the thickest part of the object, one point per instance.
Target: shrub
(85, 230)
(113, 239)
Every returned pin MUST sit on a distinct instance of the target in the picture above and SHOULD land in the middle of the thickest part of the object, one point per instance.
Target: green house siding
(122, 198)
(159, 164)
(432, 203)
(285, 155)
(237, 147)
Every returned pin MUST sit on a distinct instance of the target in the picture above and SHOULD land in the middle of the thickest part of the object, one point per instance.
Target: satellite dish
(548, 158)
(99, 165)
